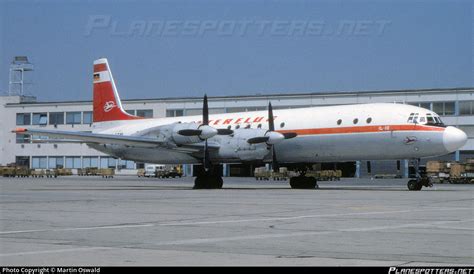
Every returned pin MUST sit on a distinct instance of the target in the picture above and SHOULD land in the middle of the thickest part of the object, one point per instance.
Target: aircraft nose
(454, 138)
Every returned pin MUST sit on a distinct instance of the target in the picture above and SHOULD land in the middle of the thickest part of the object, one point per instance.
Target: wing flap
(96, 138)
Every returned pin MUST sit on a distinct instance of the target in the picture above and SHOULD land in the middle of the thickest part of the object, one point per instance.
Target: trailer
(106, 172)
(438, 171)
(325, 175)
(37, 173)
(261, 173)
(452, 172)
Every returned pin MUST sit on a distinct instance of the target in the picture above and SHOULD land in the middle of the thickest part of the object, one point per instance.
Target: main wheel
(303, 182)
(208, 182)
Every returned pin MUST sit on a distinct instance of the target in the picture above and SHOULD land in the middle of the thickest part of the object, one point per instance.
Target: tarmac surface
(150, 222)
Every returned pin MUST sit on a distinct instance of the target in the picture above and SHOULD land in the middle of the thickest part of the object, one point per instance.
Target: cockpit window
(434, 120)
(430, 119)
(425, 119)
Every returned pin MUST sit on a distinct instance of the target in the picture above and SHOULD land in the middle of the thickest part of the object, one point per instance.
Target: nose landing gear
(420, 181)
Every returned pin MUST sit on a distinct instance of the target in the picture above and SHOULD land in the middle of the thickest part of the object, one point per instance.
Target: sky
(188, 48)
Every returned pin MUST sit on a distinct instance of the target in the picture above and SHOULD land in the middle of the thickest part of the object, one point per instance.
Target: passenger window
(247, 126)
(355, 121)
(339, 122)
(369, 120)
(237, 126)
(282, 125)
(229, 127)
(259, 126)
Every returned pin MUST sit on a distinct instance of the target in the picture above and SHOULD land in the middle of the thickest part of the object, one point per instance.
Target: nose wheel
(414, 185)
(420, 181)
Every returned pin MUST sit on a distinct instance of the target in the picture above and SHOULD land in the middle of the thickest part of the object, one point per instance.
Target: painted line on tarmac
(54, 251)
(234, 221)
(247, 237)
(300, 234)
(311, 216)
(75, 228)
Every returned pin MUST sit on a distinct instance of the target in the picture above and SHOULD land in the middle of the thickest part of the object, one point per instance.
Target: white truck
(162, 171)
(151, 170)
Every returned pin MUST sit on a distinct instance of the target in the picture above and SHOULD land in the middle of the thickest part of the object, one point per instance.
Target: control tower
(20, 76)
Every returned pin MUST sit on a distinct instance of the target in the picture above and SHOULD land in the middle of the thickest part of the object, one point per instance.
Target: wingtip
(19, 130)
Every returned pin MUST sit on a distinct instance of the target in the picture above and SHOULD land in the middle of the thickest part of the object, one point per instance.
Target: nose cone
(207, 132)
(454, 138)
(274, 137)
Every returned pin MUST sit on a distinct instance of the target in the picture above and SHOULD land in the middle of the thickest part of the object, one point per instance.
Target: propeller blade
(271, 124)
(289, 135)
(224, 131)
(275, 165)
(205, 111)
(190, 132)
(207, 163)
(258, 140)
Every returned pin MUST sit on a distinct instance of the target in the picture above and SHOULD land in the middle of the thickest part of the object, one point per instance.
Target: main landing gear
(303, 182)
(209, 179)
(420, 181)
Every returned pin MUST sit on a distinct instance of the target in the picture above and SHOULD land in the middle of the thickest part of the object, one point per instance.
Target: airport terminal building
(455, 106)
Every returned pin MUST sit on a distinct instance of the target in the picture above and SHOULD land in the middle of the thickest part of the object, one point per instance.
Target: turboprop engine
(189, 133)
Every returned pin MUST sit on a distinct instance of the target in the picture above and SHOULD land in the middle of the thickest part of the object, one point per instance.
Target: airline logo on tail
(109, 106)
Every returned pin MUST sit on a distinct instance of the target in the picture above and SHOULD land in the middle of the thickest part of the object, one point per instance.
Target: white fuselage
(381, 132)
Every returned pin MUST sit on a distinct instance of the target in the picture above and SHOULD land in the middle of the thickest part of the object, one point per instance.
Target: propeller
(205, 123)
(272, 137)
(204, 131)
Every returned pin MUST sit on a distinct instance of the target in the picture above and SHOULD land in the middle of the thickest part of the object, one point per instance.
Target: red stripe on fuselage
(362, 129)
(100, 67)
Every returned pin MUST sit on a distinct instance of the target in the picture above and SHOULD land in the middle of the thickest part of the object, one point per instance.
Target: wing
(96, 138)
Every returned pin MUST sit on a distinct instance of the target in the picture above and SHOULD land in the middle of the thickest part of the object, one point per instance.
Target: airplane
(287, 137)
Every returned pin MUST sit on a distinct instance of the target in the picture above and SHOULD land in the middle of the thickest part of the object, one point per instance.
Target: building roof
(265, 96)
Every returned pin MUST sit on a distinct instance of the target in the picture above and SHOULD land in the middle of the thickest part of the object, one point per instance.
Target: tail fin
(107, 105)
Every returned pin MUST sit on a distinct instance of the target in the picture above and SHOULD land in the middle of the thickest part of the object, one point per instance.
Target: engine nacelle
(237, 147)
(179, 136)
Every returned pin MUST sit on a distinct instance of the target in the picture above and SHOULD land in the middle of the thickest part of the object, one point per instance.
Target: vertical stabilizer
(107, 105)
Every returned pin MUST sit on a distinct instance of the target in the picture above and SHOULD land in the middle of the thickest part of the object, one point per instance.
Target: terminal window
(56, 162)
(178, 112)
(73, 118)
(145, 113)
(443, 108)
(38, 162)
(87, 117)
(22, 138)
(466, 108)
(90, 161)
(107, 162)
(56, 118)
(23, 119)
(40, 118)
(73, 162)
